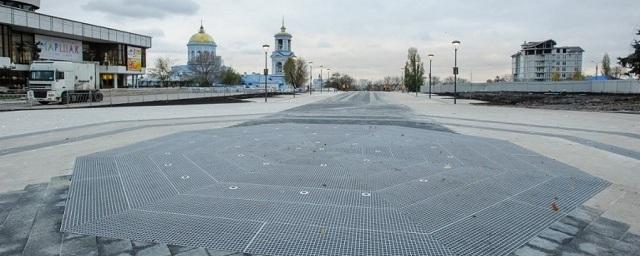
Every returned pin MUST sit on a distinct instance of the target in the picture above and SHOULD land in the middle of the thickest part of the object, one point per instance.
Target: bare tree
(295, 72)
(577, 76)
(342, 82)
(435, 80)
(205, 68)
(451, 79)
(162, 69)
(617, 72)
(606, 66)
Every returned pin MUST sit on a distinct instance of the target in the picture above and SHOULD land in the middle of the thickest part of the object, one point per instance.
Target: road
(413, 175)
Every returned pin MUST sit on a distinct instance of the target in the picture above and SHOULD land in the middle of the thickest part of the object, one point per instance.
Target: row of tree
(205, 70)
(398, 83)
(297, 75)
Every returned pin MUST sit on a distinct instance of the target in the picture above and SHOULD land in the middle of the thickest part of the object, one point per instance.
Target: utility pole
(310, 77)
(321, 79)
(455, 43)
(266, 71)
(430, 63)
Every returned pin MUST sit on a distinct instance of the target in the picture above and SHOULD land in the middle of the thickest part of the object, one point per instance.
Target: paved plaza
(350, 174)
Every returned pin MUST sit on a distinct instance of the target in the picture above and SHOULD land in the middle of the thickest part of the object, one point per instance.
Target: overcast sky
(369, 38)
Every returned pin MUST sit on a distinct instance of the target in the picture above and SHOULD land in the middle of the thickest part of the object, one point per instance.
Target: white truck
(64, 82)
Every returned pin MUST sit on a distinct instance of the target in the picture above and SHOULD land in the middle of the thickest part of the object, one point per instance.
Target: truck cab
(63, 82)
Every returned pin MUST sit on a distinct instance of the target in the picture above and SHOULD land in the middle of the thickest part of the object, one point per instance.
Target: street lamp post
(329, 77)
(266, 71)
(404, 82)
(311, 77)
(597, 69)
(430, 62)
(321, 79)
(456, 44)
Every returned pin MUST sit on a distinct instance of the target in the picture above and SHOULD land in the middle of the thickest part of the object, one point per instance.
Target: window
(22, 47)
(41, 75)
(106, 54)
(4, 41)
(59, 75)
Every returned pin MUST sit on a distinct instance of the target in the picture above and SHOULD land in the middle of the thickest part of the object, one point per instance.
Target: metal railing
(115, 97)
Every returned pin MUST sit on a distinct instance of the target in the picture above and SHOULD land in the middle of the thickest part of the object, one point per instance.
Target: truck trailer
(64, 82)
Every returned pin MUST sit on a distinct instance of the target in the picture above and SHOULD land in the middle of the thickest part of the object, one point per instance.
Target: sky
(369, 39)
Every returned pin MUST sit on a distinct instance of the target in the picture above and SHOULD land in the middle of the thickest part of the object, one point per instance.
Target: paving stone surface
(368, 180)
(595, 236)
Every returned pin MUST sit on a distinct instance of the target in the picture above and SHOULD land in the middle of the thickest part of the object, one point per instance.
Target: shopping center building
(27, 35)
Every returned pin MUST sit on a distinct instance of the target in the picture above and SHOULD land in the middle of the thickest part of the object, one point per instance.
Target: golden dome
(201, 38)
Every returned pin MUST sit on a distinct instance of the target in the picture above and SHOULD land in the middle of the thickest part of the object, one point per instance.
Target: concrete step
(17, 225)
(583, 232)
(45, 237)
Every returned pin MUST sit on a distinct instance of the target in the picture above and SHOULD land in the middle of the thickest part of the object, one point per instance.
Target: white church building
(282, 51)
(200, 44)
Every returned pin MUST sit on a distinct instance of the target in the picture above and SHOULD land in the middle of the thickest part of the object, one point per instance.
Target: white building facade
(539, 61)
(282, 51)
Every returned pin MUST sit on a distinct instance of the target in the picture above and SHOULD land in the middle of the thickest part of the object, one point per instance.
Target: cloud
(143, 8)
(324, 44)
(369, 39)
(153, 32)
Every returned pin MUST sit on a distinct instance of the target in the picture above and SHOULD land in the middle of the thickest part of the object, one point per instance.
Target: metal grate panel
(323, 189)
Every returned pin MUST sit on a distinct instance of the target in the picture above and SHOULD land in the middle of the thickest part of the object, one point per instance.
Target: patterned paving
(324, 189)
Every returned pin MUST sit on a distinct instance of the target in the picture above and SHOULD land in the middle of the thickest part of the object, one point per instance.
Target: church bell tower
(282, 51)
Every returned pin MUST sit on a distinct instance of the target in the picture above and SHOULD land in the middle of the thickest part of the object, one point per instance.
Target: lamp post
(456, 44)
(329, 77)
(321, 79)
(597, 69)
(266, 71)
(404, 86)
(430, 62)
(295, 61)
(311, 77)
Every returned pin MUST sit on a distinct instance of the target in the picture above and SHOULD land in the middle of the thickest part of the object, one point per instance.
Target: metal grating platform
(320, 189)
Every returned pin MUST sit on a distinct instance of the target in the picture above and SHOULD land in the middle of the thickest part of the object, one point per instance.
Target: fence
(114, 97)
(613, 86)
